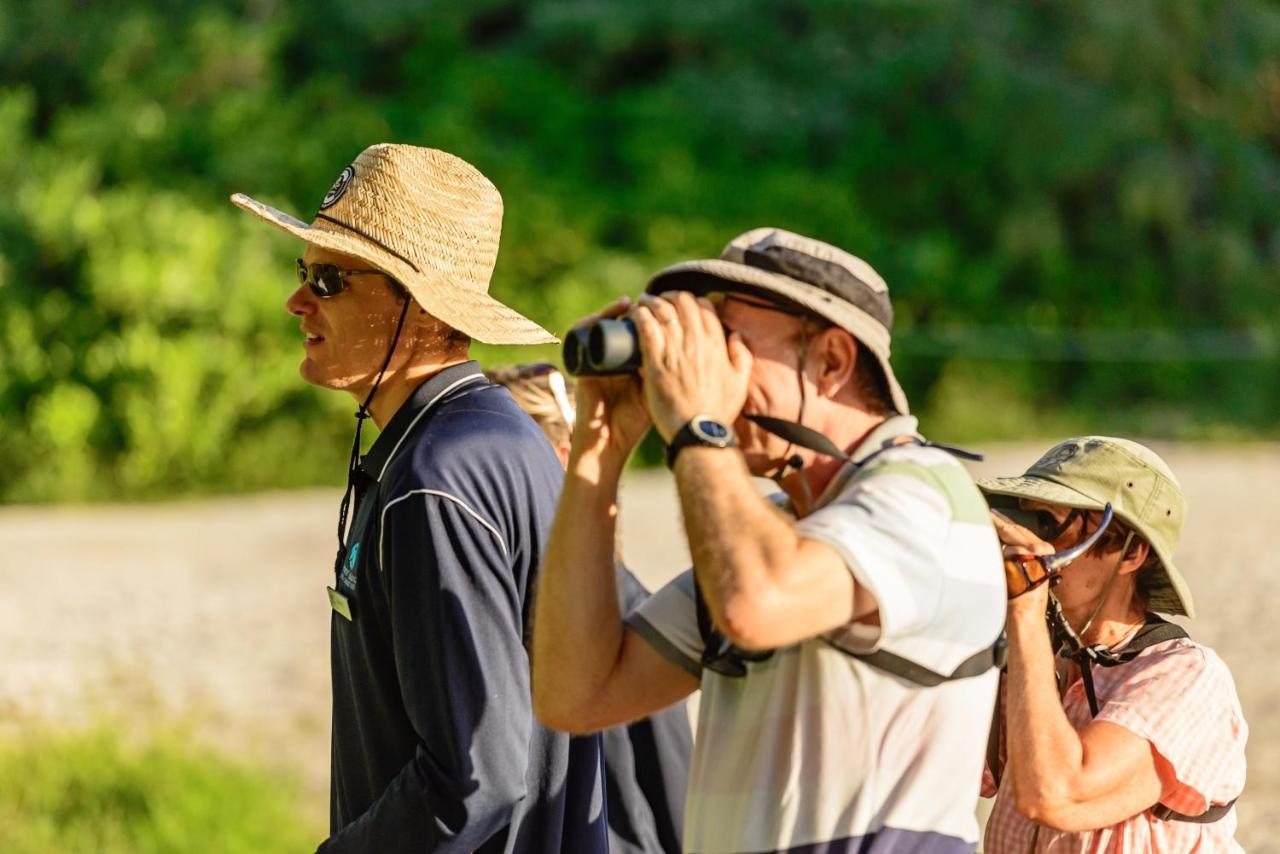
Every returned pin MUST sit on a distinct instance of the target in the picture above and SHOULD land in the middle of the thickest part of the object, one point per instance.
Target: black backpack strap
(1212, 814)
(719, 655)
(1155, 631)
(993, 738)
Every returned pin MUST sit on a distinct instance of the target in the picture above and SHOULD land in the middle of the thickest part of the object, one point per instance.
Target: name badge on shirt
(339, 603)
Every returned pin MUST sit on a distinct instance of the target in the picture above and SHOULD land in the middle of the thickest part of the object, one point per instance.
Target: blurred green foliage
(96, 790)
(1011, 169)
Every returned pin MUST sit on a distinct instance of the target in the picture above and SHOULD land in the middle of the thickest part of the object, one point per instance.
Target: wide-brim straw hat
(824, 279)
(1089, 472)
(427, 219)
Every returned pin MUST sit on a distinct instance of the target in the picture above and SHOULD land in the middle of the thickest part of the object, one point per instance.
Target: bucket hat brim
(1170, 596)
(701, 277)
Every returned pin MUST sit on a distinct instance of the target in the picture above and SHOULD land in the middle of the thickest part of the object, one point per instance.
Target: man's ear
(834, 354)
(1139, 550)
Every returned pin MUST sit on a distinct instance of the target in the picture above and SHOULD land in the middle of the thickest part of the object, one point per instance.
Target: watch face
(710, 430)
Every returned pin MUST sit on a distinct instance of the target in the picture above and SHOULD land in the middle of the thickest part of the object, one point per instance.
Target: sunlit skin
(1084, 579)
(765, 585)
(346, 337)
(767, 342)
(1064, 779)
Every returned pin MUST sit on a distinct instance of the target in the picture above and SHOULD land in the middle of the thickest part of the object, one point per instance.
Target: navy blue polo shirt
(435, 746)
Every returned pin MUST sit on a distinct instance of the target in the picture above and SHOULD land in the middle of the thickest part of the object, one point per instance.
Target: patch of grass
(100, 789)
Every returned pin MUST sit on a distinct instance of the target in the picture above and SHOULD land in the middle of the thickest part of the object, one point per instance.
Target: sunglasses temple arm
(1057, 561)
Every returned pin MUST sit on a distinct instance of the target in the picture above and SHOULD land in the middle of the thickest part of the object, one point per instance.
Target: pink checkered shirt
(1179, 696)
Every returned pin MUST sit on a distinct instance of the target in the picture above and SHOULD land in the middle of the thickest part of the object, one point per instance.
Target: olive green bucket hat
(1087, 473)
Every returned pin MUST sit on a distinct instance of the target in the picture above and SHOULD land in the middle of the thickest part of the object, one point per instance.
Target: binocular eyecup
(605, 347)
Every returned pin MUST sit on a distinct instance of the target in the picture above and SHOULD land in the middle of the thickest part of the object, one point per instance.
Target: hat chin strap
(353, 462)
(796, 433)
(1106, 590)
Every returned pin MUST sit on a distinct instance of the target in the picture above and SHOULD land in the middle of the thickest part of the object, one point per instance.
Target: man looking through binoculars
(844, 644)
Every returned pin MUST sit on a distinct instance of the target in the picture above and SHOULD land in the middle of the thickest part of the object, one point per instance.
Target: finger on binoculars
(649, 332)
(662, 308)
(1017, 539)
(687, 309)
(617, 308)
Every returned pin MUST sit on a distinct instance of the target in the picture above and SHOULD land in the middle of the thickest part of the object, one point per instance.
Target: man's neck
(847, 433)
(397, 386)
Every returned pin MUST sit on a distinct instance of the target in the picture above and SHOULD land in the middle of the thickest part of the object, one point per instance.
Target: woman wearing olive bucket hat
(1131, 737)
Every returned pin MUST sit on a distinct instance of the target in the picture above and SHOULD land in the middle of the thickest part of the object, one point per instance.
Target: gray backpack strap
(975, 665)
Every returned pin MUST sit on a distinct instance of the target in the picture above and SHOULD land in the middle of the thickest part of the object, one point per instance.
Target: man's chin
(762, 465)
(314, 374)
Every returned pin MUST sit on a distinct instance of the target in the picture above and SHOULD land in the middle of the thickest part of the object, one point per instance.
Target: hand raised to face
(689, 367)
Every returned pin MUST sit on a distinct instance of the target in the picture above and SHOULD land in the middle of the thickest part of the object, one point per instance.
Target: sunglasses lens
(326, 280)
(1046, 526)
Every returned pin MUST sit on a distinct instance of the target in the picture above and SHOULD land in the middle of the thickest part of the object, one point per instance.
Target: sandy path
(217, 608)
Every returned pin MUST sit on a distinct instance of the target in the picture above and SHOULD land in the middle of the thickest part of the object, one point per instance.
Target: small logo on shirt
(347, 578)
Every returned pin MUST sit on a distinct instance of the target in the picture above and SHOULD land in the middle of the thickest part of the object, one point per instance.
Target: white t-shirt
(815, 750)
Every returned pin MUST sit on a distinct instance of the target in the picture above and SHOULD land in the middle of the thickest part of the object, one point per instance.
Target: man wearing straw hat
(434, 744)
(845, 646)
(1130, 738)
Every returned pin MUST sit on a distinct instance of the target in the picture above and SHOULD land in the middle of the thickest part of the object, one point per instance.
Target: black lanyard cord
(353, 462)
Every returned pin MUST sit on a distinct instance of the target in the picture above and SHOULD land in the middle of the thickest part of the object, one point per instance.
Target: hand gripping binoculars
(605, 347)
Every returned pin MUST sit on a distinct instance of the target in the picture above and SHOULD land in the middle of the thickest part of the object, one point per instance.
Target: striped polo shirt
(816, 751)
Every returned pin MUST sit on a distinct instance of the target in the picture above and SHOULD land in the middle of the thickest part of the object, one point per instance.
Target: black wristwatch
(701, 430)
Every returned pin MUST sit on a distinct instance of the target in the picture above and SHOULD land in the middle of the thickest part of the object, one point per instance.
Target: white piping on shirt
(382, 522)
(414, 423)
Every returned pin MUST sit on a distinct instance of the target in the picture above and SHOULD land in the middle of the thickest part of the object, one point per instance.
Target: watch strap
(687, 436)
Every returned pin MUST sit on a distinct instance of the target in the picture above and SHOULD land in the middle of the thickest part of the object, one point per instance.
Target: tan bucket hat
(1089, 472)
(823, 278)
(427, 219)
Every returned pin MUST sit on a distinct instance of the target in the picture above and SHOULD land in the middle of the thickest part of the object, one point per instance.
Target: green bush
(1097, 171)
(96, 790)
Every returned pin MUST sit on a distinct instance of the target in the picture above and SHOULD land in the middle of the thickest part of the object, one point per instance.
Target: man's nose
(301, 302)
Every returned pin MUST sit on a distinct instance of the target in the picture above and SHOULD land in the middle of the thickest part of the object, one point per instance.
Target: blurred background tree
(1074, 204)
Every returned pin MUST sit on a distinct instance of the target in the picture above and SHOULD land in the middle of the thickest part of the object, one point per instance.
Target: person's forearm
(1045, 753)
(735, 537)
(577, 633)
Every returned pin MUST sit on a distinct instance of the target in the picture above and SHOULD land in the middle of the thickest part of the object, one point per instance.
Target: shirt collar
(413, 410)
(890, 428)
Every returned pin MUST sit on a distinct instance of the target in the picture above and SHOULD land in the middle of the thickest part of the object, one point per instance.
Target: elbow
(1033, 806)
(553, 712)
(1051, 809)
(744, 618)
(550, 711)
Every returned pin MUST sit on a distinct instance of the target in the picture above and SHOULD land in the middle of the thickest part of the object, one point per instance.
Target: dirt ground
(215, 611)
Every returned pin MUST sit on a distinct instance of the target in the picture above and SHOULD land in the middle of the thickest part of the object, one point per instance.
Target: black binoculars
(603, 348)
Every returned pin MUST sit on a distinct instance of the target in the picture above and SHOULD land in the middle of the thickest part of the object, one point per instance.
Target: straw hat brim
(475, 313)
(842, 313)
(1173, 596)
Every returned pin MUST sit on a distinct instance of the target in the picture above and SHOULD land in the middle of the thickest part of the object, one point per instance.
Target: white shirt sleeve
(892, 531)
(668, 620)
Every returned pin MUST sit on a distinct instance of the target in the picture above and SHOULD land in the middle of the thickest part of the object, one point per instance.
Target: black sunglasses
(327, 280)
(1042, 523)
